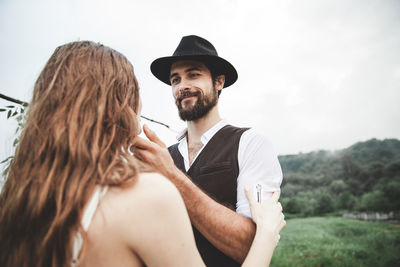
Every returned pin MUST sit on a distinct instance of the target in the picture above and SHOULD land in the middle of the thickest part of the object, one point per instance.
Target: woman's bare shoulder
(150, 187)
(149, 193)
(149, 217)
(154, 179)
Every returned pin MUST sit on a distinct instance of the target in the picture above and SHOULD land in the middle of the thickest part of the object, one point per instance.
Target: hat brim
(161, 67)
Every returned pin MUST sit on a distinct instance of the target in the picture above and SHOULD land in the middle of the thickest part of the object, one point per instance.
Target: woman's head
(91, 91)
(85, 101)
(81, 121)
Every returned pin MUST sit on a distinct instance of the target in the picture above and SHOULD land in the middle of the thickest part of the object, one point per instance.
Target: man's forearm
(225, 229)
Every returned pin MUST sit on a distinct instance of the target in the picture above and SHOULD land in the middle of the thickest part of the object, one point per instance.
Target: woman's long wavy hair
(80, 124)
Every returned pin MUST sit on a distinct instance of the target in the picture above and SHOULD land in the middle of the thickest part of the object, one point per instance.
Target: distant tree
(392, 169)
(291, 189)
(292, 205)
(306, 203)
(375, 169)
(338, 186)
(309, 206)
(325, 203)
(391, 190)
(374, 201)
(350, 167)
(346, 201)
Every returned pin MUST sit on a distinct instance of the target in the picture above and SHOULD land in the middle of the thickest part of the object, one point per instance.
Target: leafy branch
(18, 113)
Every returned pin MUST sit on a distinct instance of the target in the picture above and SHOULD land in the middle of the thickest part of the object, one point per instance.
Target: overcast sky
(312, 74)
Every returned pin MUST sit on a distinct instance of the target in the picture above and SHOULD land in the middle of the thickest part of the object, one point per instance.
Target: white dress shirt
(258, 164)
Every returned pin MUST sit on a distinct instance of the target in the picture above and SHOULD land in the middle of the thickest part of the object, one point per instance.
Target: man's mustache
(184, 94)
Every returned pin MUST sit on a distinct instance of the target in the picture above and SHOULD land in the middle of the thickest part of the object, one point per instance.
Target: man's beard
(202, 106)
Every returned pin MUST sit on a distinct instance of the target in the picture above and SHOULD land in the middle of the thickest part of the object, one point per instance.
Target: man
(215, 160)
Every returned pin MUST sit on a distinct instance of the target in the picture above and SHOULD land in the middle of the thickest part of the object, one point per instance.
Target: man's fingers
(152, 136)
(142, 155)
(143, 143)
(137, 153)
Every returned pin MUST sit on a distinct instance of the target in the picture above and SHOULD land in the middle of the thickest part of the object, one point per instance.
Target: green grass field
(335, 241)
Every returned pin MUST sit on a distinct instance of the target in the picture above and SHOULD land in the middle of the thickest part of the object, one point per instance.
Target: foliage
(374, 201)
(330, 241)
(363, 177)
(17, 113)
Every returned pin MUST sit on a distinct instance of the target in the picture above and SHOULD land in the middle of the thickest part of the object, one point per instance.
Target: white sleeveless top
(86, 220)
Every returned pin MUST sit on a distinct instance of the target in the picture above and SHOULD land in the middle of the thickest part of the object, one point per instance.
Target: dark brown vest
(215, 171)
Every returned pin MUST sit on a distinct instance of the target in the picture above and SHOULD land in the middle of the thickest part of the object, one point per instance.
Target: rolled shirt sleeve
(258, 164)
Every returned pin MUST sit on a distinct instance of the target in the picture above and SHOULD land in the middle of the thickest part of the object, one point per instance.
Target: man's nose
(184, 85)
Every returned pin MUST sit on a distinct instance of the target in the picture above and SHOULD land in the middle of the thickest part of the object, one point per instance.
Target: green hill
(362, 177)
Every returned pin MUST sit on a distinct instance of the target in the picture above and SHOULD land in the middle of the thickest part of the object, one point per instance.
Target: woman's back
(141, 222)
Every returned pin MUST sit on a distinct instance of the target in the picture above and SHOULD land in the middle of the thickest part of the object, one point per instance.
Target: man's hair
(80, 124)
(214, 74)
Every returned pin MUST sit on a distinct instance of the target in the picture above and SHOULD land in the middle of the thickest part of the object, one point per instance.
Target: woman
(75, 196)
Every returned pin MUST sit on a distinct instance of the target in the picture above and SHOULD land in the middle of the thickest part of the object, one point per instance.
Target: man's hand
(154, 153)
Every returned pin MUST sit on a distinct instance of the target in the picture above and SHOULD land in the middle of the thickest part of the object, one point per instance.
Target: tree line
(363, 177)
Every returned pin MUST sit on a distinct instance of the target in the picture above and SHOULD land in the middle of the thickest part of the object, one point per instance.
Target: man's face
(193, 89)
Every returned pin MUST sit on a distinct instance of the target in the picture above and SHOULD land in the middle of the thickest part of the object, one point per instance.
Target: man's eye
(194, 74)
(174, 80)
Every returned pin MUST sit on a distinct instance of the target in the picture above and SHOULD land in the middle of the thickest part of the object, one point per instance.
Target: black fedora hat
(193, 47)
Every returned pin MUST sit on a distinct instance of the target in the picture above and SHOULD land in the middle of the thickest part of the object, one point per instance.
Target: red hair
(80, 124)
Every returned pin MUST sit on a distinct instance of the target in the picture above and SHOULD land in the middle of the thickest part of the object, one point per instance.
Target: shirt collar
(207, 135)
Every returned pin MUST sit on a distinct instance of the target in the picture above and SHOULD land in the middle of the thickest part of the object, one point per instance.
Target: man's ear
(219, 82)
